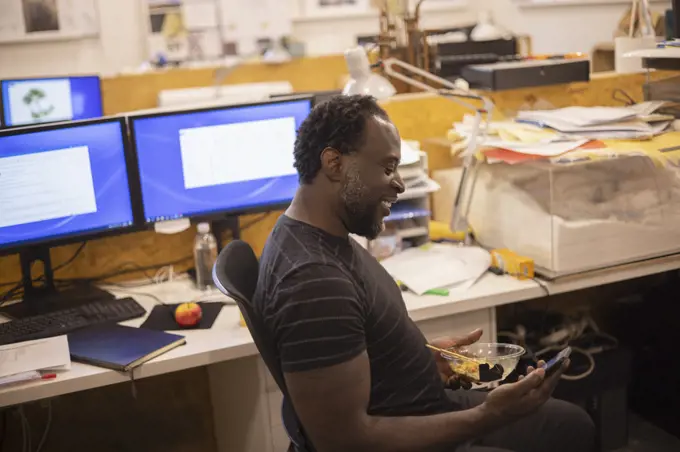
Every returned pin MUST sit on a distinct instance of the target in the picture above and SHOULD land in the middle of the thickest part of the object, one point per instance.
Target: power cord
(17, 289)
(26, 434)
(48, 425)
(25, 431)
(3, 430)
(564, 336)
(542, 285)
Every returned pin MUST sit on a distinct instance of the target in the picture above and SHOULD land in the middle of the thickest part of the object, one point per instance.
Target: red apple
(188, 315)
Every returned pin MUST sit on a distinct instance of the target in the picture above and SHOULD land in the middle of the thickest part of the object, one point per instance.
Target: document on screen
(46, 185)
(229, 153)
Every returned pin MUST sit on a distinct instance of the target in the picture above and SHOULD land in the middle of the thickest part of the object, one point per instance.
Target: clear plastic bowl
(505, 356)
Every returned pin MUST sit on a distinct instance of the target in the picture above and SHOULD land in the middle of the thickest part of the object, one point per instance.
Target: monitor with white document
(219, 161)
(42, 100)
(63, 183)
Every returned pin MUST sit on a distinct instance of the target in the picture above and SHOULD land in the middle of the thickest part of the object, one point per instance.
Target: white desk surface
(227, 340)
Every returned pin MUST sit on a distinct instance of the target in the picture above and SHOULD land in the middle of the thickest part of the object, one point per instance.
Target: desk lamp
(357, 61)
(362, 79)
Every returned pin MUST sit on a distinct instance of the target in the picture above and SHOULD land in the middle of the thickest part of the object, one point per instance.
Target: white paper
(543, 149)
(200, 14)
(580, 116)
(41, 354)
(437, 265)
(420, 190)
(18, 378)
(647, 108)
(409, 156)
(653, 130)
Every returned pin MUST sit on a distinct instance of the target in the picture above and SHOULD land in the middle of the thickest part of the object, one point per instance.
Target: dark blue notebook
(120, 347)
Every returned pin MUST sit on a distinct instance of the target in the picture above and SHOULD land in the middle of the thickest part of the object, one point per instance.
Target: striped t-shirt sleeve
(317, 319)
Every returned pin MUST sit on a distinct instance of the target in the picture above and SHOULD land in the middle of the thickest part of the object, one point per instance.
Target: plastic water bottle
(205, 255)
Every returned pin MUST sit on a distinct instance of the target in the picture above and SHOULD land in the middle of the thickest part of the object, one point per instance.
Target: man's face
(371, 182)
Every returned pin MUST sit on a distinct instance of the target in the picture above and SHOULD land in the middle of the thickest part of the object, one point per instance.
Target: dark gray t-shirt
(325, 300)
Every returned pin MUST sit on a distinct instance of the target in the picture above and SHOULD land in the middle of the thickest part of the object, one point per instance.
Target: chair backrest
(235, 274)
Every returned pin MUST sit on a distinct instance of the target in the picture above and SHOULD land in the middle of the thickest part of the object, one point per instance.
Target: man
(355, 365)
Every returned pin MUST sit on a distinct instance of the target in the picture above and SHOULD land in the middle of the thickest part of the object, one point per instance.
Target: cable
(3, 430)
(70, 260)
(542, 285)
(48, 424)
(18, 284)
(166, 273)
(26, 430)
(140, 294)
(135, 269)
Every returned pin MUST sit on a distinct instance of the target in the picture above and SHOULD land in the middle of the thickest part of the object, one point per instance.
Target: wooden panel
(438, 150)
(130, 251)
(126, 93)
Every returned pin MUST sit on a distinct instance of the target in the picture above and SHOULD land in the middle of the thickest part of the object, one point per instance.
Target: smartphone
(556, 363)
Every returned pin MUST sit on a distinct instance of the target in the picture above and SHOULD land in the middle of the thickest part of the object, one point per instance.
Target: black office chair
(235, 274)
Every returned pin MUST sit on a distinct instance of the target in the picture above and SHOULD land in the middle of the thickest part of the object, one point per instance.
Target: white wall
(121, 43)
(563, 28)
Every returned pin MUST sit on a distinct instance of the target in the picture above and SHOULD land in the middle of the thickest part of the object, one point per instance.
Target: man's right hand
(511, 401)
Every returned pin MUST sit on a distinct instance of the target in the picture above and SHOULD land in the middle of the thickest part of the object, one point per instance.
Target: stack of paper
(436, 266)
(19, 362)
(414, 173)
(513, 142)
(634, 122)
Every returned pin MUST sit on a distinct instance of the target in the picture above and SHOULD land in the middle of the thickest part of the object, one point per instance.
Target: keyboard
(63, 322)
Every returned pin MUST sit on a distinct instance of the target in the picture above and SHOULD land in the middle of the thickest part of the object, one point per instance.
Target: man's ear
(331, 164)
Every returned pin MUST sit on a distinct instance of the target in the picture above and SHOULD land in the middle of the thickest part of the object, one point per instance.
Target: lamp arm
(449, 90)
(463, 198)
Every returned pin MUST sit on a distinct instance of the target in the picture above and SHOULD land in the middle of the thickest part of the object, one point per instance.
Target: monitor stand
(221, 225)
(42, 296)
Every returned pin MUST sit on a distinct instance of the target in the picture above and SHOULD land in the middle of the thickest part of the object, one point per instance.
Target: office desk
(238, 377)
(246, 402)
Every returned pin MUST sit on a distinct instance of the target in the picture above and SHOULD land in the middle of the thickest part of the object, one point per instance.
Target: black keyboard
(63, 322)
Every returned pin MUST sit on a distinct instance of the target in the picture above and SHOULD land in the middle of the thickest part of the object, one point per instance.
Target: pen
(439, 292)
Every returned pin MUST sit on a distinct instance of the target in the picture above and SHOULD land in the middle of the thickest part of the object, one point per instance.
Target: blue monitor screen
(62, 182)
(35, 101)
(225, 159)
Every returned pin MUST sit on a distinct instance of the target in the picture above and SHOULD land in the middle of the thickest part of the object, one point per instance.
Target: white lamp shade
(374, 85)
(362, 80)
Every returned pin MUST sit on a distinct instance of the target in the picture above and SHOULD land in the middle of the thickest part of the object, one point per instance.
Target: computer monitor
(62, 183)
(218, 161)
(42, 100)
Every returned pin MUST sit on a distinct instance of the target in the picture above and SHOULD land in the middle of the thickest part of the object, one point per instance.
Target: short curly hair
(338, 123)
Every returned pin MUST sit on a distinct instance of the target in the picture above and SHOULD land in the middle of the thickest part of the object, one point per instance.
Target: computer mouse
(188, 315)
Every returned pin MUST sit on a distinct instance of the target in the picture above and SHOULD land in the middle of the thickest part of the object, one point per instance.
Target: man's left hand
(452, 380)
